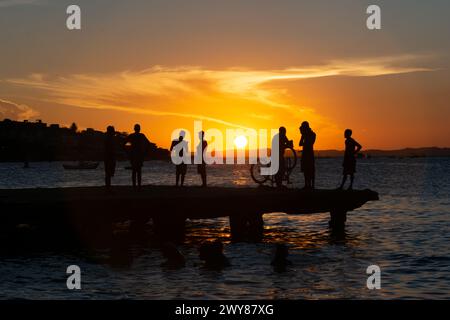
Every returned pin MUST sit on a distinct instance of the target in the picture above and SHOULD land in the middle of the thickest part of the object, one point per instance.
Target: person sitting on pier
(138, 146)
(212, 254)
(284, 143)
(109, 156)
(201, 168)
(180, 169)
(174, 258)
(352, 147)
(280, 261)
(307, 161)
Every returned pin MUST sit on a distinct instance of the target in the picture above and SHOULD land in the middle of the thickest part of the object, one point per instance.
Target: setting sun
(240, 142)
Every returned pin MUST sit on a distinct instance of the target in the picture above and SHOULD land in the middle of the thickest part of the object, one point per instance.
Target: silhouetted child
(307, 161)
(174, 258)
(201, 168)
(212, 254)
(109, 155)
(138, 146)
(180, 169)
(351, 149)
(280, 261)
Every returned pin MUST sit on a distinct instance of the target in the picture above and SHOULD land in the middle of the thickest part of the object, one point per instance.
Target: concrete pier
(93, 210)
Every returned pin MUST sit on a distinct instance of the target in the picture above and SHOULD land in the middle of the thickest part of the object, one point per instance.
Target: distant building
(35, 141)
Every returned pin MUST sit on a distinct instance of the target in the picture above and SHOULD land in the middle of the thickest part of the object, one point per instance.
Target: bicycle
(290, 158)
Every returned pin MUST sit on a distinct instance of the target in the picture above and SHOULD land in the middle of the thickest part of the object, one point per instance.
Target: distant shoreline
(326, 154)
(425, 152)
(38, 142)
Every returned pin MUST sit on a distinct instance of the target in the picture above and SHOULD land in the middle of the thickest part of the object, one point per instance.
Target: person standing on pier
(352, 147)
(307, 162)
(138, 145)
(283, 143)
(201, 168)
(109, 156)
(180, 146)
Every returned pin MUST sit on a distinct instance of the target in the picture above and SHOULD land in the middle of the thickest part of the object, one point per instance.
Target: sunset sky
(233, 64)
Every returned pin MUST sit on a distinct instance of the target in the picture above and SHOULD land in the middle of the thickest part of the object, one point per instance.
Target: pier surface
(167, 205)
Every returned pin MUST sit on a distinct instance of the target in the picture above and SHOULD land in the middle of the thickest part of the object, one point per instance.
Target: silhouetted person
(109, 155)
(174, 258)
(352, 147)
(283, 143)
(201, 168)
(212, 254)
(280, 261)
(139, 145)
(182, 146)
(307, 162)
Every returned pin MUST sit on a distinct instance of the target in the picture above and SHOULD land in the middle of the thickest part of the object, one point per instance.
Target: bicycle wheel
(291, 159)
(255, 171)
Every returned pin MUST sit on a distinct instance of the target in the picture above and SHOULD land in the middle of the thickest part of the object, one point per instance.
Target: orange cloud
(12, 110)
(234, 97)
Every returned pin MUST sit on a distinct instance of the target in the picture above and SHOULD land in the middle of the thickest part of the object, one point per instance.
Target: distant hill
(401, 153)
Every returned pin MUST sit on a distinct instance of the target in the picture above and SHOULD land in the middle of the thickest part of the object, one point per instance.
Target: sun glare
(240, 142)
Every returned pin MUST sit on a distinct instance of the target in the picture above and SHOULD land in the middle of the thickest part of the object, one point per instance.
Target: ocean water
(406, 233)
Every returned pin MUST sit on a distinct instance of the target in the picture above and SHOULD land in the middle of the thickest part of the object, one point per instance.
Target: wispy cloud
(154, 90)
(14, 111)
(247, 83)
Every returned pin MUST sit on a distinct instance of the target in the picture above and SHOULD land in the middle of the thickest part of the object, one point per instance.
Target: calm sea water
(406, 233)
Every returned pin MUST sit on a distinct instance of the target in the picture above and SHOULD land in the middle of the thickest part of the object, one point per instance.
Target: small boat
(82, 165)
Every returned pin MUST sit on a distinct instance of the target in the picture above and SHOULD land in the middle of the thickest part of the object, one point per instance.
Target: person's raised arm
(172, 145)
(148, 144)
(285, 141)
(358, 147)
(302, 141)
(313, 137)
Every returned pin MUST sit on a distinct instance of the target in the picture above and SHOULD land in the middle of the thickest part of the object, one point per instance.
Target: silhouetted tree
(74, 127)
